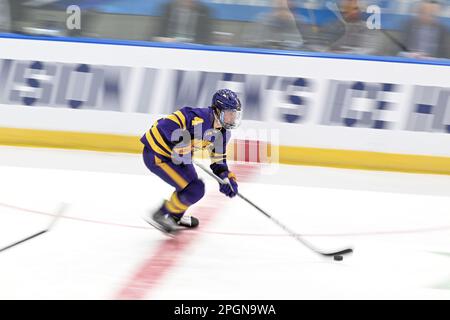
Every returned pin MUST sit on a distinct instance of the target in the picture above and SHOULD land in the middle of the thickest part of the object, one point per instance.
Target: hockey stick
(59, 213)
(336, 254)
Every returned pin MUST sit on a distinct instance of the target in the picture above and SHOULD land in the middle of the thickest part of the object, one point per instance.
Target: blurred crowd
(288, 25)
(5, 16)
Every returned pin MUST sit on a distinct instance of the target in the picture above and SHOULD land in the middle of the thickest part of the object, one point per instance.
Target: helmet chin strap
(217, 119)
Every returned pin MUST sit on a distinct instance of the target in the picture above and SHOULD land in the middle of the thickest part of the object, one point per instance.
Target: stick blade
(62, 208)
(338, 253)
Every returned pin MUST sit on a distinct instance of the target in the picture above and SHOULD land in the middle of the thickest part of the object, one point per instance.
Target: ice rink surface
(397, 223)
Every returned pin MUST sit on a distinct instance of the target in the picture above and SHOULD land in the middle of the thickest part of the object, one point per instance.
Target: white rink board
(314, 130)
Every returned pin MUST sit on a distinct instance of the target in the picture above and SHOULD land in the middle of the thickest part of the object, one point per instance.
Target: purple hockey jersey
(186, 130)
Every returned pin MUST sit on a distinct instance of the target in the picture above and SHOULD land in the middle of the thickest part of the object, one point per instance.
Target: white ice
(397, 223)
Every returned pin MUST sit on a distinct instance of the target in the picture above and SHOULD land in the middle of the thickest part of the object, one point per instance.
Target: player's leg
(189, 189)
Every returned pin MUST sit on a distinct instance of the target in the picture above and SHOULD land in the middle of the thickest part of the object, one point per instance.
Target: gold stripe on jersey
(154, 146)
(175, 119)
(160, 139)
(180, 115)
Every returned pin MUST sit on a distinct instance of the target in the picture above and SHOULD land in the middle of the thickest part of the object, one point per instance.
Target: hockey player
(168, 148)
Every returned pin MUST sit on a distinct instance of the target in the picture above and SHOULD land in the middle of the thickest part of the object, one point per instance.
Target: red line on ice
(166, 256)
(151, 273)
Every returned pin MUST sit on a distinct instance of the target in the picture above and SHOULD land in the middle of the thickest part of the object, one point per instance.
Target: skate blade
(158, 227)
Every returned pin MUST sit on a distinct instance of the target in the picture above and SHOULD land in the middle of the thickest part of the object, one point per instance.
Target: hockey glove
(230, 188)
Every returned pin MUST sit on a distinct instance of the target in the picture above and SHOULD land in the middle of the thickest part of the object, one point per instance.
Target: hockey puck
(338, 258)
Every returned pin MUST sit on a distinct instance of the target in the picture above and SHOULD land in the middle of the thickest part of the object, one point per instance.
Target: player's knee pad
(193, 192)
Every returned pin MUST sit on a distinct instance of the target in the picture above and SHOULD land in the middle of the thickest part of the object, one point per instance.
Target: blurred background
(72, 114)
(410, 28)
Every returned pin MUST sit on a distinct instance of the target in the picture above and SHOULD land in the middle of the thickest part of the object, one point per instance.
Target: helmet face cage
(229, 108)
(230, 119)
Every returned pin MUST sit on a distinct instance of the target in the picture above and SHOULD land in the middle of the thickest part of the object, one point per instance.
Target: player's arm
(162, 136)
(220, 167)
